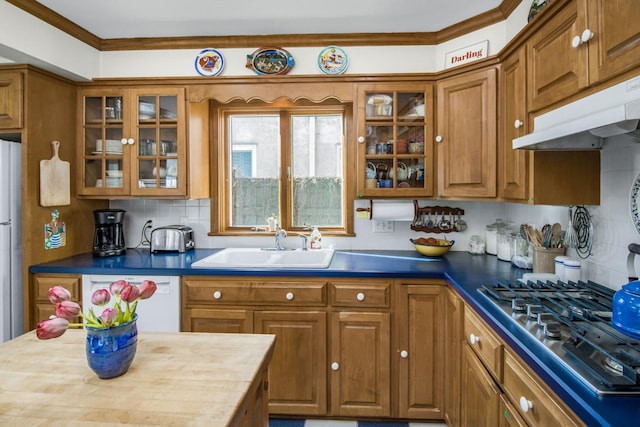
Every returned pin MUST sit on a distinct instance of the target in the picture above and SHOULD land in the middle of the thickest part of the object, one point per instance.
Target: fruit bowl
(431, 246)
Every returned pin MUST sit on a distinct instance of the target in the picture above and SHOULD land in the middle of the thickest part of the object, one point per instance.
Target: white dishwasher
(160, 313)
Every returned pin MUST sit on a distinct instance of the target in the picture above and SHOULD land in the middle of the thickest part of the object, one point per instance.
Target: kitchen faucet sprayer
(280, 235)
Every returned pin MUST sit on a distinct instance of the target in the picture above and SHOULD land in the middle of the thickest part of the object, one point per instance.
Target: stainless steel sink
(261, 258)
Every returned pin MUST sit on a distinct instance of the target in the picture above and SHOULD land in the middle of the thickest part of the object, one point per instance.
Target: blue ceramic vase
(110, 351)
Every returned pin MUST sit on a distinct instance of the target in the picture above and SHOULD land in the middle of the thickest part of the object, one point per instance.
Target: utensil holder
(544, 259)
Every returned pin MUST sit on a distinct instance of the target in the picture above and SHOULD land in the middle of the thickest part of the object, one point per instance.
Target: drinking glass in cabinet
(168, 108)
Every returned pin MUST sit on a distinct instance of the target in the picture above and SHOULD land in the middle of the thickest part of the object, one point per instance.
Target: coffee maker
(108, 239)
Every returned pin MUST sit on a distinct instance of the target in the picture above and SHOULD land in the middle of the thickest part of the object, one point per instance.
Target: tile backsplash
(613, 227)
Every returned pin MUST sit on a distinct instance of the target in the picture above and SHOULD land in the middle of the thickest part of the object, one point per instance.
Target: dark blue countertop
(465, 272)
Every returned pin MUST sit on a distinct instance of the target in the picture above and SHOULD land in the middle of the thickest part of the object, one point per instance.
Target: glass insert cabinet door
(132, 142)
(395, 126)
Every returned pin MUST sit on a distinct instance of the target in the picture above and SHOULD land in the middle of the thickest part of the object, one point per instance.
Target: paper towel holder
(369, 209)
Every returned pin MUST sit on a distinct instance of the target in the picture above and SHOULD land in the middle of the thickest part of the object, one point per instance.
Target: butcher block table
(176, 379)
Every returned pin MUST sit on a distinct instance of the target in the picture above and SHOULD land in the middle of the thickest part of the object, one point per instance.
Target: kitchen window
(283, 160)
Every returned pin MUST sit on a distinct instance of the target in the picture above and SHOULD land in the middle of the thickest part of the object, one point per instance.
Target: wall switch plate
(382, 226)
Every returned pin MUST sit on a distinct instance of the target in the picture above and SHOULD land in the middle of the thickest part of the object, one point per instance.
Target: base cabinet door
(420, 351)
(360, 364)
(453, 342)
(480, 397)
(297, 372)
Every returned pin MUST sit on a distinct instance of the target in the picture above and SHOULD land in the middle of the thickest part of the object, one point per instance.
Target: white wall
(613, 228)
(25, 39)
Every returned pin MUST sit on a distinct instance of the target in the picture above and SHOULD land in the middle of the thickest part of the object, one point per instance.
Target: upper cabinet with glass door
(133, 142)
(395, 151)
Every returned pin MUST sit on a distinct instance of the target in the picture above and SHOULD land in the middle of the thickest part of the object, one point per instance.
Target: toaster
(172, 238)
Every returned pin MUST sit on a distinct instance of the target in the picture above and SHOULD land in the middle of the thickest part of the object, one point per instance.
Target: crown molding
(47, 15)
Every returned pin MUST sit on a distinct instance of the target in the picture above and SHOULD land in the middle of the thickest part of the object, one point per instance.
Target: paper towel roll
(393, 211)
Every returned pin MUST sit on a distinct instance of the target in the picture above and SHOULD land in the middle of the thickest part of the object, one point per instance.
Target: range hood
(585, 124)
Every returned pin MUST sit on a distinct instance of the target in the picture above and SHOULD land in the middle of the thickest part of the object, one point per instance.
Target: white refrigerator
(10, 241)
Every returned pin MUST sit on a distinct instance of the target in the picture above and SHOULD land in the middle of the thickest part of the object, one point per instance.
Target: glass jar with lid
(504, 243)
(491, 236)
(476, 245)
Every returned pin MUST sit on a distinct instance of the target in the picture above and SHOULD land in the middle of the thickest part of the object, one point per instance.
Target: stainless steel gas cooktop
(573, 321)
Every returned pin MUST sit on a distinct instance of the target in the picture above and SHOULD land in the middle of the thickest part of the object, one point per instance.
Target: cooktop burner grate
(573, 321)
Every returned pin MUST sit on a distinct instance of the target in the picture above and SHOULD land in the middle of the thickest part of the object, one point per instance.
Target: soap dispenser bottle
(316, 239)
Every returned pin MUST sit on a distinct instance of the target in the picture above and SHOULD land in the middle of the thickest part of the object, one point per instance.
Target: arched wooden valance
(272, 91)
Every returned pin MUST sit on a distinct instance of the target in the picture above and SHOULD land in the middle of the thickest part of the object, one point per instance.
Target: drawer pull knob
(361, 139)
(518, 123)
(525, 404)
(335, 366)
(130, 141)
(217, 294)
(360, 296)
(289, 296)
(404, 354)
(439, 138)
(473, 340)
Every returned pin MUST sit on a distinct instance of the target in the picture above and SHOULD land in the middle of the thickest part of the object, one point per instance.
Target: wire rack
(583, 227)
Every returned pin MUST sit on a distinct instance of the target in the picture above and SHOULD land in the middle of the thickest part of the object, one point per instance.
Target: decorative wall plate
(333, 60)
(536, 7)
(633, 203)
(270, 60)
(209, 62)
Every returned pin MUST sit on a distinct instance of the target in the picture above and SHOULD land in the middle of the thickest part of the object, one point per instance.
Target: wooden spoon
(555, 235)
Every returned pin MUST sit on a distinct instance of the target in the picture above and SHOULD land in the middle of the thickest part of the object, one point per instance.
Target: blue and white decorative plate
(536, 7)
(633, 203)
(209, 62)
(333, 60)
(270, 60)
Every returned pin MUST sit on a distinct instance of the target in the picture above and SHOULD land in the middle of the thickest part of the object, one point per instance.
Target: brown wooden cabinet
(333, 347)
(41, 283)
(134, 143)
(298, 371)
(11, 102)
(537, 405)
(294, 310)
(480, 397)
(513, 164)
(583, 43)
(498, 388)
(538, 177)
(360, 376)
(419, 349)
(394, 134)
(453, 342)
(466, 135)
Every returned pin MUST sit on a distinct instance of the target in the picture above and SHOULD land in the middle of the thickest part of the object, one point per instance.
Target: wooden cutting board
(55, 180)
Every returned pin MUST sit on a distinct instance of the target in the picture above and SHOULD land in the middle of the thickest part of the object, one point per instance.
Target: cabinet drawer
(524, 390)
(360, 294)
(484, 343)
(256, 292)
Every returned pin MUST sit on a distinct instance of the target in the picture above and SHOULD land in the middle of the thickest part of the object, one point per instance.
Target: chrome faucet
(280, 234)
(305, 240)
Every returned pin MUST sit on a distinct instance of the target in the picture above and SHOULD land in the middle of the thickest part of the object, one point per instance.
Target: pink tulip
(67, 309)
(52, 328)
(116, 287)
(109, 316)
(100, 297)
(130, 293)
(147, 289)
(58, 294)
